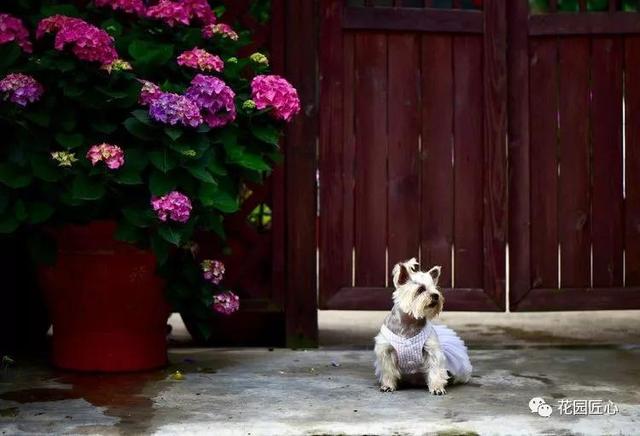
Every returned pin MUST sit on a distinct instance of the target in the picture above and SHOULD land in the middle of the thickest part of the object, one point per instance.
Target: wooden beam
(518, 145)
(300, 165)
(598, 23)
(495, 149)
(411, 19)
(546, 299)
(361, 298)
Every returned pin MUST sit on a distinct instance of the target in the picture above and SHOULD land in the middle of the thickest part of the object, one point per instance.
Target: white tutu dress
(409, 351)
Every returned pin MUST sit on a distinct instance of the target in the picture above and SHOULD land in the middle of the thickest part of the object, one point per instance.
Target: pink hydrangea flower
(171, 13)
(12, 29)
(175, 109)
(226, 303)
(88, 42)
(221, 29)
(200, 10)
(149, 92)
(130, 6)
(21, 89)
(213, 271)
(271, 91)
(214, 98)
(174, 206)
(200, 59)
(112, 155)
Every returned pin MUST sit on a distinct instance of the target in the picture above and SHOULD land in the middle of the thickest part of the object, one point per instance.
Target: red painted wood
(607, 234)
(371, 89)
(519, 149)
(335, 255)
(632, 173)
(567, 23)
(437, 153)
(403, 220)
(574, 204)
(410, 19)
(468, 161)
(543, 87)
(495, 159)
(581, 299)
(348, 152)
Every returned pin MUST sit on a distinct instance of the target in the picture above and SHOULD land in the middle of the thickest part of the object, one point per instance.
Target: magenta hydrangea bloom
(130, 6)
(200, 10)
(200, 59)
(174, 206)
(275, 92)
(221, 29)
(149, 92)
(172, 109)
(21, 89)
(171, 13)
(214, 98)
(111, 155)
(12, 30)
(213, 271)
(88, 42)
(226, 303)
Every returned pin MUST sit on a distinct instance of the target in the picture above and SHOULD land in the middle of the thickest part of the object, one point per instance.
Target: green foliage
(84, 105)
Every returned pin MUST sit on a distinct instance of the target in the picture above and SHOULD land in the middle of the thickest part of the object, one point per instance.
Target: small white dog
(409, 348)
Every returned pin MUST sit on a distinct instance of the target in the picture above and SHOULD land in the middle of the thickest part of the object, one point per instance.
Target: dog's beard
(418, 305)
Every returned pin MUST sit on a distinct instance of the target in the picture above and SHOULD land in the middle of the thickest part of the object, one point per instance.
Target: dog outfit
(409, 350)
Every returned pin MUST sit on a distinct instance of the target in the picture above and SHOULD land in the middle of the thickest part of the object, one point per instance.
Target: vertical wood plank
(301, 300)
(606, 129)
(574, 162)
(494, 149)
(371, 158)
(468, 162)
(632, 159)
(544, 84)
(404, 188)
(335, 255)
(348, 151)
(437, 154)
(519, 149)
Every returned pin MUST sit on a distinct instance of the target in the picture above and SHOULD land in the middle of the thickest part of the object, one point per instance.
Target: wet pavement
(331, 391)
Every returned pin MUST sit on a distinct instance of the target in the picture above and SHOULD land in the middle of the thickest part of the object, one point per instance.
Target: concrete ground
(556, 356)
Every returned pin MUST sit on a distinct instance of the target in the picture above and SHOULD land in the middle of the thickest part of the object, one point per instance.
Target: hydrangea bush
(137, 111)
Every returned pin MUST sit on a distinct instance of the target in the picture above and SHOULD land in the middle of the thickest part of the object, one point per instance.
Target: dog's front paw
(385, 388)
(438, 390)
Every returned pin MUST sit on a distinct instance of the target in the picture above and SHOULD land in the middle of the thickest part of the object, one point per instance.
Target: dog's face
(417, 292)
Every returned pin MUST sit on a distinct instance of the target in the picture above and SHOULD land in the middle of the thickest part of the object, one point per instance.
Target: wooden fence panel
(632, 185)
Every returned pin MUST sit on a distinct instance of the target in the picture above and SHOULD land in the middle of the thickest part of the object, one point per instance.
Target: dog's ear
(402, 272)
(435, 273)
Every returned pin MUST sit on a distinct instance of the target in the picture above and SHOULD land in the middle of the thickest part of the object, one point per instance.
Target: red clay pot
(106, 304)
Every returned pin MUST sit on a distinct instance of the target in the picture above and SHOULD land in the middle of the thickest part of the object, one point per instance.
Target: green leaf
(225, 202)
(103, 126)
(138, 217)
(266, 133)
(138, 129)
(42, 119)
(148, 54)
(44, 168)
(84, 188)
(129, 176)
(20, 210)
(173, 132)
(142, 116)
(8, 223)
(9, 53)
(201, 173)
(39, 212)
(207, 193)
(163, 160)
(252, 162)
(160, 249)
(126, 232)
(42, 248)
(135, 159)
(69, 140)
(169, 234)
(14, 177)
(68, 10)
(160, 183)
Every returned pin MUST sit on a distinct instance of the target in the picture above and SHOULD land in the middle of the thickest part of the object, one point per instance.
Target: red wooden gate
(575, 164)
(412, 149)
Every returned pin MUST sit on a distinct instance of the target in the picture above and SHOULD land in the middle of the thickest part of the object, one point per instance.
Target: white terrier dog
(409, 348)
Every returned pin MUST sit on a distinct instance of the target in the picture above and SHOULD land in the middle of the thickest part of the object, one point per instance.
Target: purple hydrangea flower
(21, 89)
(172, 109)
(226, 303)
(149, 92)
(130, 6)
(200, 59)
(214, 98)
(12, 29)
(174, 206)
(213, 271)
(275, 92)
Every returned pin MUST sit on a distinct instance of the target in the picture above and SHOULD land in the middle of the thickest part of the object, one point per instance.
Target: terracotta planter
(106, 304)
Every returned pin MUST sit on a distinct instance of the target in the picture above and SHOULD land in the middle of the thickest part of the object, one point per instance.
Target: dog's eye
(420, 290)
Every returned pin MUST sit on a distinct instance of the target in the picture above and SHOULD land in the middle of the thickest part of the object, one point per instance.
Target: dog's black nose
(435, 297)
